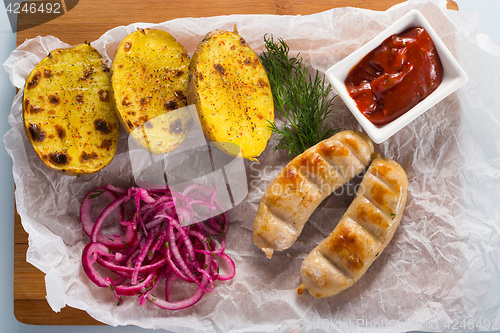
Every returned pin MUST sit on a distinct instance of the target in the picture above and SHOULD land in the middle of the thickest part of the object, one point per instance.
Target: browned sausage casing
(304, 183)
(361, 235)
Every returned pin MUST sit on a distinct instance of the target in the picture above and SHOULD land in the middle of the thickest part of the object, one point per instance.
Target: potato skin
(232, 94)
(68, 113)
(149, 79)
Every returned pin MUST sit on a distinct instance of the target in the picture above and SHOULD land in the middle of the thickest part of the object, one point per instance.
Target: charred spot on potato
(54, 100)
(130, 125)
(127, 46)
(86, 74)
(59, 158)
(35, 109)
(104, 67)
(170, 105)
(102, 126)
(57, 126)
(125, 101)
(348, 247)
(34, 81)
(178, 72)
(143, 120)
(180, 96)
(106, 144)
(176, 127)
(143, 101)
(262, 84)
(36, 132)
(84, 157)
(200, 76)
(103, 95)
(220, 69)
(61, 131)
(243, 42)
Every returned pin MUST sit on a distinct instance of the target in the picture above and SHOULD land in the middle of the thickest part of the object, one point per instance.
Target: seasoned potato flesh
(68, 112)
(232, 93)
(149, 79)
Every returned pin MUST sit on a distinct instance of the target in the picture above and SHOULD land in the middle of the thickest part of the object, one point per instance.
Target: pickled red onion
(154, 246)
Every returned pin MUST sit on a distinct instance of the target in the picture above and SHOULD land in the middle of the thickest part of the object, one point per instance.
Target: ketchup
(395, 76)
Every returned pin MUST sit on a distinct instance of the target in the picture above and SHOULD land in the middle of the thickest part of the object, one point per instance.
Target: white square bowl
(454, 77)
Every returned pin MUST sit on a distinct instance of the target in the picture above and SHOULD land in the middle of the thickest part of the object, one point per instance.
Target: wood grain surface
(87, 21)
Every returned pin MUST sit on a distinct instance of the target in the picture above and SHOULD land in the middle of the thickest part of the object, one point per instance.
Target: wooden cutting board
(87, 21)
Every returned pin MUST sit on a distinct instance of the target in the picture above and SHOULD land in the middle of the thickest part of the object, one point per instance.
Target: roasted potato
(149, 78)
(68, 113)
(232, 94)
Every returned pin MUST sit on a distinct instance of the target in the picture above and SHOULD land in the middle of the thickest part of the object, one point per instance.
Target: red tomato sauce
(395, 76)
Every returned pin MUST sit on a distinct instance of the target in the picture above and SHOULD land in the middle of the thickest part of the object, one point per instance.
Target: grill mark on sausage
(176, 127)
(312, 166)
(261, 83)
(288, 223)
(370, 219)
(54, 100)
(346, 248)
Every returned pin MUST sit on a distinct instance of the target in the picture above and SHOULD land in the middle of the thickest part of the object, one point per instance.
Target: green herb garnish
(304, 100)
(95, 194)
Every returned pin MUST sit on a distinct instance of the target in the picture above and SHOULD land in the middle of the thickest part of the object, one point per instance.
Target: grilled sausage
(361, 235)
(304, 183)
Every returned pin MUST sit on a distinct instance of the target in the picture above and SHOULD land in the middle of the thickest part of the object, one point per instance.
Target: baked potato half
(232, 94)
(149, 78)
(68, 113)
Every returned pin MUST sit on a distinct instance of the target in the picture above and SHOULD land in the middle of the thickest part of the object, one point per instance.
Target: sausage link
(361, 235)
(304, 183)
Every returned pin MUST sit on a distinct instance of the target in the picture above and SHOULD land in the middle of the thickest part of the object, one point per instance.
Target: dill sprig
(303, 100)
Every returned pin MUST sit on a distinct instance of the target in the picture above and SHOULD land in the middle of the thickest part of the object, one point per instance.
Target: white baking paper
(440, 272)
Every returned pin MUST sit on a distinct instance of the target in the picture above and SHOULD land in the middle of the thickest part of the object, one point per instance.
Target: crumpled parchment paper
(440, 272)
